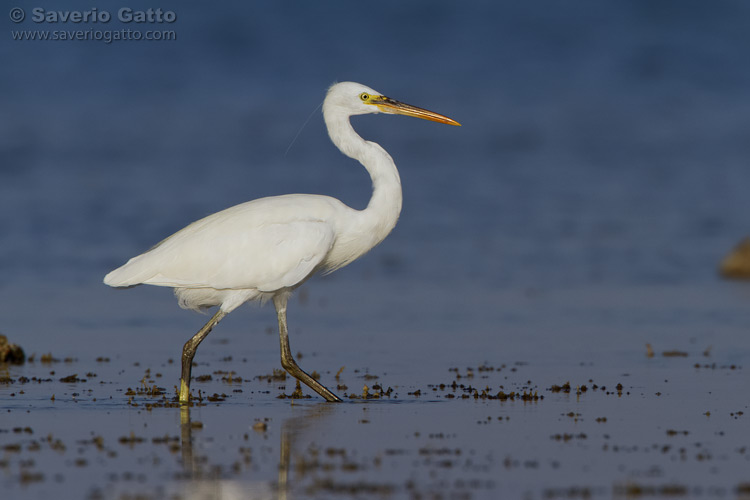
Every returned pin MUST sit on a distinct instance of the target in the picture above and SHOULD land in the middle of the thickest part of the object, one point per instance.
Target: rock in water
(10, 353)
(736, 265)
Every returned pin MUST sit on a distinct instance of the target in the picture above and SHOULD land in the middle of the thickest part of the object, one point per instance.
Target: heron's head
(351, 98)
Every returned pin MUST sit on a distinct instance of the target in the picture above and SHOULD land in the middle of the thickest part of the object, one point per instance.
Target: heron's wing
(298, 249)
(221, 256)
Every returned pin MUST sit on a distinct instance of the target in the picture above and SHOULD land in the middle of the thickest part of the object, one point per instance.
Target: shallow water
(576, 218)
(483, 416)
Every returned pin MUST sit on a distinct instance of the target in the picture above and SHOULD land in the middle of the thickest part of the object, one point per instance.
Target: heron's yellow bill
(392, 106)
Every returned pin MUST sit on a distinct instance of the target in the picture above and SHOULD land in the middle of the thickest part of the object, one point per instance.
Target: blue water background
(603, 144)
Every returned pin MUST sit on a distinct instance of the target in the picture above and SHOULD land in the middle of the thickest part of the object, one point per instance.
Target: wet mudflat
(621, 400)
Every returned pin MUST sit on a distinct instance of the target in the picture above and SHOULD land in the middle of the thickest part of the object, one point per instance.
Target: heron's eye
(364, 96)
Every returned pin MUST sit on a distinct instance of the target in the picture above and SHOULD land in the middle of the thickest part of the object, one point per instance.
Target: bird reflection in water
(202, 484)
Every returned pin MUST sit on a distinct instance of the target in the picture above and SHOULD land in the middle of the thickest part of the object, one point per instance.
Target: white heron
(264, 249)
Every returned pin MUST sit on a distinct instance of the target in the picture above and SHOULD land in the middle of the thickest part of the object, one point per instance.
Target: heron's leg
(287, 361)
(188, 352)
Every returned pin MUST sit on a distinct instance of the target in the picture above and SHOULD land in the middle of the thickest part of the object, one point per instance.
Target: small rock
(736, 265)
(10, 353)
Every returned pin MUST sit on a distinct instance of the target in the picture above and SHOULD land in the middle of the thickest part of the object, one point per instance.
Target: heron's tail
(127, 275)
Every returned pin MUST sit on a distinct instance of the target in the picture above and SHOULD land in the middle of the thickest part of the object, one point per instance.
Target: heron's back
(263, 244)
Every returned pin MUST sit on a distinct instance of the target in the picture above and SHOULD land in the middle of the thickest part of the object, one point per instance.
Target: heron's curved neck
(384, 208)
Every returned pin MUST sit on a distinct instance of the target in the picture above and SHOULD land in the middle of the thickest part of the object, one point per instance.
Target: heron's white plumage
(260, 244)
(274, 244)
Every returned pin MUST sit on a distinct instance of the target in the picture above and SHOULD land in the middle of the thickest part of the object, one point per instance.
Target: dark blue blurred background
(601, 142)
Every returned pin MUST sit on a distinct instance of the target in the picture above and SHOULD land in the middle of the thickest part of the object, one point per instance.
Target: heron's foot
(335, 399)
(323, 391)
(184, 391)
(302, 376)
